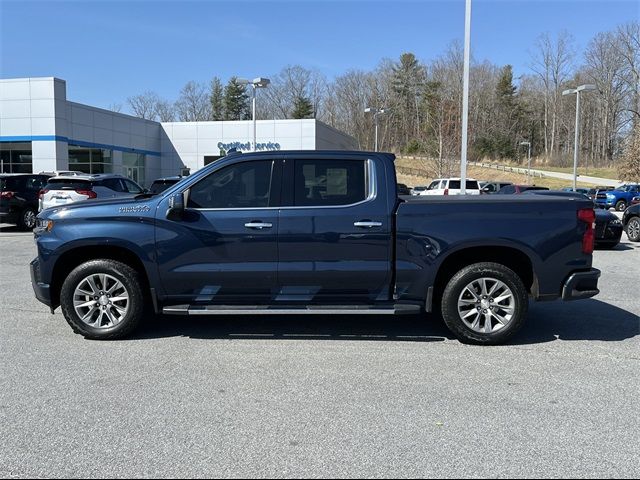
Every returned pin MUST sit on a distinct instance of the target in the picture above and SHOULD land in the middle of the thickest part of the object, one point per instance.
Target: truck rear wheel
(102, 300)
(621, 206)
(485, 304)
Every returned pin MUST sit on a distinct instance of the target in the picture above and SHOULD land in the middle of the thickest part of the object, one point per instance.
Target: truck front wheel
(485, 304)
(102, 299)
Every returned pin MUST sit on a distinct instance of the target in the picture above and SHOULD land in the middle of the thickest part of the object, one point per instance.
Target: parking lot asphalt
(322, 397)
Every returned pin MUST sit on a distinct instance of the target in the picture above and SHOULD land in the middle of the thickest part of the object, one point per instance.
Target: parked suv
(62, 190)
(451, 186)
(620, 198)
(19, 198)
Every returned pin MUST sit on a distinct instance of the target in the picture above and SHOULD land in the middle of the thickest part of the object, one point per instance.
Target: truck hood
(141, 205)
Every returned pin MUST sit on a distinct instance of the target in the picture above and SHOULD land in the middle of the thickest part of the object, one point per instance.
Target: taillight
(88, 193)
(41, 193)
(446, 191)
(588, 216)
(7, 195)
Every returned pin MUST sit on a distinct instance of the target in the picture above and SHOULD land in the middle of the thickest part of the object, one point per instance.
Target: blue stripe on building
(79, 143)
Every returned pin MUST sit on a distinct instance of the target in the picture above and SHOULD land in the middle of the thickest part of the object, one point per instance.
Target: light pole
(258, 82)
(376, 112)
(528, 144)
(576, 147)
(465, 98)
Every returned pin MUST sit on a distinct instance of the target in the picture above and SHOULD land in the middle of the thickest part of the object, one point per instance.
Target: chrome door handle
(258, 225)
(367, 224)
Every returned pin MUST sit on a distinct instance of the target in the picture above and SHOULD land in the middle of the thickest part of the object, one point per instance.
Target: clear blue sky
(108, 51)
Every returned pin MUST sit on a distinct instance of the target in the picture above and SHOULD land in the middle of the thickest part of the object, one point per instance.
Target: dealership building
(42, 131)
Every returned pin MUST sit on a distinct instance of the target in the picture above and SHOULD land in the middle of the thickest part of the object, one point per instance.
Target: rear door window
(329, 182)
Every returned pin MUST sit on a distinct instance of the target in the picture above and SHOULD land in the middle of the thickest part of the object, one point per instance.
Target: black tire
(621, 206)
(633, 233)
(131, 281)
(459, 282)
(27, 219)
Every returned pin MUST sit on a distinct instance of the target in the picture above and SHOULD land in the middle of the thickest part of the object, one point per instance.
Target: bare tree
(165, 111)
(144, 105)
(115, 107)
(553, 62)
(291, 83)
(193, 103)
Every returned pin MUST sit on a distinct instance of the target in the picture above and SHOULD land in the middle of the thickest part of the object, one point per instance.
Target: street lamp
(376, 113)
(528, 144)
(465, 97)
(577, 91)
(258, 82)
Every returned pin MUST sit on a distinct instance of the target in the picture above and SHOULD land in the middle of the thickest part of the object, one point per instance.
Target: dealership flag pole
(465, 99)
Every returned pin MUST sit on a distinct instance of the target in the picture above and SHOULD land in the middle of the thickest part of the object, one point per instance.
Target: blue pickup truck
(620, 198)
(320, 232)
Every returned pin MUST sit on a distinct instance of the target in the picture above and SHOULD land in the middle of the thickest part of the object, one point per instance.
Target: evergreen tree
(235, 101)
(217, 99)
(302, 108)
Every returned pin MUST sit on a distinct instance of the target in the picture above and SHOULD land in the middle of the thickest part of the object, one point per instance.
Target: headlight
(45, 224)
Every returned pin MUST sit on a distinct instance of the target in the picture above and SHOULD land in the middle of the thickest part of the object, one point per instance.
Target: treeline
(423, 101)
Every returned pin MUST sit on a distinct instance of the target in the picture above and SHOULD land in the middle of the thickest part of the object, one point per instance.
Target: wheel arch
(509, 256)
(74, 257)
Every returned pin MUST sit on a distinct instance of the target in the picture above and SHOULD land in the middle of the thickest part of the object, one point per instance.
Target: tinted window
(159, 187)
(132, 187)
(36, 182)
(507, 190)
(67, 184)
(471, 184)
(329, 182)
(243, 185)
(114, 184)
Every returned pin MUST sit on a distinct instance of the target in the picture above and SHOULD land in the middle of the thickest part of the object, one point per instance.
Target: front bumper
(602, 203)
(42, 290)
(581, 285)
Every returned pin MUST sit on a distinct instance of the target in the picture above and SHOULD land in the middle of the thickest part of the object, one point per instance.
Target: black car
(403, 189)
(161, 184)
(631, 222)
(19, 198)
(608, 225)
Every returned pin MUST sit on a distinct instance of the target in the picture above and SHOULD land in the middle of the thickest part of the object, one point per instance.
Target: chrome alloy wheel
(486, 305)
(29, 218)
(101, 301)
(633, 229)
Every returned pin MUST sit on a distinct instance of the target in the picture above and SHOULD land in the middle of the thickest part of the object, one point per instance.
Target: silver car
(63, 189)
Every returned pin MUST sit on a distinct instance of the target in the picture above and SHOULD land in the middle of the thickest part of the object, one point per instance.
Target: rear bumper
(42, 290)
(581, 285)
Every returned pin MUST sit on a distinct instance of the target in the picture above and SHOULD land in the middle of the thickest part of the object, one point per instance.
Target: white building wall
(37, 110)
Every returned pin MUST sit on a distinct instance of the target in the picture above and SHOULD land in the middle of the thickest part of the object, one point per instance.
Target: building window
(16, 157)
(133, 165)
(90, 160)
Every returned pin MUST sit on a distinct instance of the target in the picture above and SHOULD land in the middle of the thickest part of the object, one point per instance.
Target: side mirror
(486, 190)
(176, 204)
